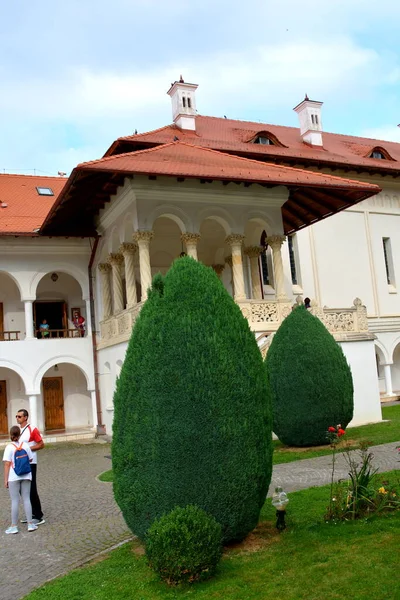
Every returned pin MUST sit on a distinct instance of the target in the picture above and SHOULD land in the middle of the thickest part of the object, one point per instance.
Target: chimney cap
(307, 99)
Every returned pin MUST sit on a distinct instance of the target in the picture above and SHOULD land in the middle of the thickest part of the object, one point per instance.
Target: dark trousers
(35, 500)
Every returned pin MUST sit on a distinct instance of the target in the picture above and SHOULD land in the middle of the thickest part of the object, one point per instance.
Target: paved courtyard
(83, 520)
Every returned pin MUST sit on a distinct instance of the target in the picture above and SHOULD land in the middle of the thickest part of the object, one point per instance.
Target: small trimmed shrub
(184, 546)
(311, 382)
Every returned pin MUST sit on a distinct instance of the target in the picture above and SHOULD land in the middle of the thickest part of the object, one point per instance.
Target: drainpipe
(101, 429)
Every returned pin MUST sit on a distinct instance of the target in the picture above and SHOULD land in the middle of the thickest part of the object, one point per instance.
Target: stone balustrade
(263, 316)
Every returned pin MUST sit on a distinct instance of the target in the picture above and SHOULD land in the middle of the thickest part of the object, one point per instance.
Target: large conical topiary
(192, 421)
(311, 382)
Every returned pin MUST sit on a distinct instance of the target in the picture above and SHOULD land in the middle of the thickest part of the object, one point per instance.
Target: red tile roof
(184, 160)
(234, 136)
(26, 209)
(311, 195)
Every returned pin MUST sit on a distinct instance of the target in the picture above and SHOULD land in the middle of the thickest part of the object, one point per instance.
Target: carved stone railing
(263, 316)
(117, 328)
(343, 320)
(345, 324)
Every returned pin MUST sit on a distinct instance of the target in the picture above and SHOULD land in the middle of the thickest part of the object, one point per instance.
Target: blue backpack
(22, 466)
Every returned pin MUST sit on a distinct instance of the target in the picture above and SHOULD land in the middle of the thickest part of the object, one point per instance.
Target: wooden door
(3, 409)
(53, 397)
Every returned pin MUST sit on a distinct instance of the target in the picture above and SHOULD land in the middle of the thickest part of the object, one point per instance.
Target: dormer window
(264, 138)
(379, 153)
(265, 141)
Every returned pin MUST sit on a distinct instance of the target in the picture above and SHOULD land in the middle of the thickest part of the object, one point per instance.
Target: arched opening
(59, 310)
(166, 245)
(266, 267)
(396, 370)
(12, 398)
(12, 316)
(212, 249)
(66, 401)
(380, 361)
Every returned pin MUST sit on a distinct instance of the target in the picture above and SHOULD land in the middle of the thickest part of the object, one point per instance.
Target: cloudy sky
(75, 75)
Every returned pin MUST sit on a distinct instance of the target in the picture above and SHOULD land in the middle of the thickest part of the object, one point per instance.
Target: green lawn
(311, 560)
(380, 433)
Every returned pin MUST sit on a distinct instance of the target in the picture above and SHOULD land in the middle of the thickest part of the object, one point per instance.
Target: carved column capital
(104, 268)
(218, 269)
(235, 239)
(253, 251)
(190, 238)
(275, 241)
(143, 236)
(115, 259)
(128, 248)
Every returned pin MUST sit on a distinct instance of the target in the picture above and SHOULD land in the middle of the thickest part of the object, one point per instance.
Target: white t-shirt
(9, 457)
(32, 436)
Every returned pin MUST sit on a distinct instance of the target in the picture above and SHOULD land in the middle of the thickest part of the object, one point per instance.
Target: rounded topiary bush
(192, 416)
(185, 545)
(311, 382)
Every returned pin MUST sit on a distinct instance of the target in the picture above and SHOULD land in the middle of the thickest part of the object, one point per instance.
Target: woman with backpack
(17, 478)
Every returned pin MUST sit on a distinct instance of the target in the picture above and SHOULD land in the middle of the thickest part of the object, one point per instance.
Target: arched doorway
(66, 402)
(12, 398)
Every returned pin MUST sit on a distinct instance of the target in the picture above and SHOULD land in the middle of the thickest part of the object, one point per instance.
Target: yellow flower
(382, 490)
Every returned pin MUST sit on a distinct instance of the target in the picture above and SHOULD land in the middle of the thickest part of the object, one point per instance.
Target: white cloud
(389, 133)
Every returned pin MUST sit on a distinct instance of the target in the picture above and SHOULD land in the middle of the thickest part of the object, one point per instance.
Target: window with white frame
(387, 253)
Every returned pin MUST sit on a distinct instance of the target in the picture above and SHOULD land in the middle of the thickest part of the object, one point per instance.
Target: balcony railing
(263, 316)
(59, 333)
(9, 336)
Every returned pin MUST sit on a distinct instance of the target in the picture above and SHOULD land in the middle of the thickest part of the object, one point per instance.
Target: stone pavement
(311, 472)
(83, 520)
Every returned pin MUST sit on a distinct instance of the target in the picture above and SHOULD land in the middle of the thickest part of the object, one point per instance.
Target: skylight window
(44, 191)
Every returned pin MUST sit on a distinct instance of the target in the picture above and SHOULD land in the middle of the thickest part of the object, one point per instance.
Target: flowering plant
(358, 496)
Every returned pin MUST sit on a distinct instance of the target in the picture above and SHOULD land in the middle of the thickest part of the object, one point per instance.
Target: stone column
(143, 239)
(276, 241)
(191, 240)
(94, 409)
(128, 252)
(228, 261)
(29, 329)
(388, 380)
(253, 252)
(116, 261)
(219, 269)
(33, 410)
(105, 269)
(235, 241)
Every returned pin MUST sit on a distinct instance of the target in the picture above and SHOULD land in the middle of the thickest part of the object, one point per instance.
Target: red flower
(341, 432)
(332, 429)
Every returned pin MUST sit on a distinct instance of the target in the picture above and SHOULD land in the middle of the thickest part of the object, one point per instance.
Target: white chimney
(183, 97)
(309, 112)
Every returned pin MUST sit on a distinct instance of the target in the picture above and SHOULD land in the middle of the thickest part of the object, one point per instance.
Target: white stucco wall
(110, 361)
(361, 358)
